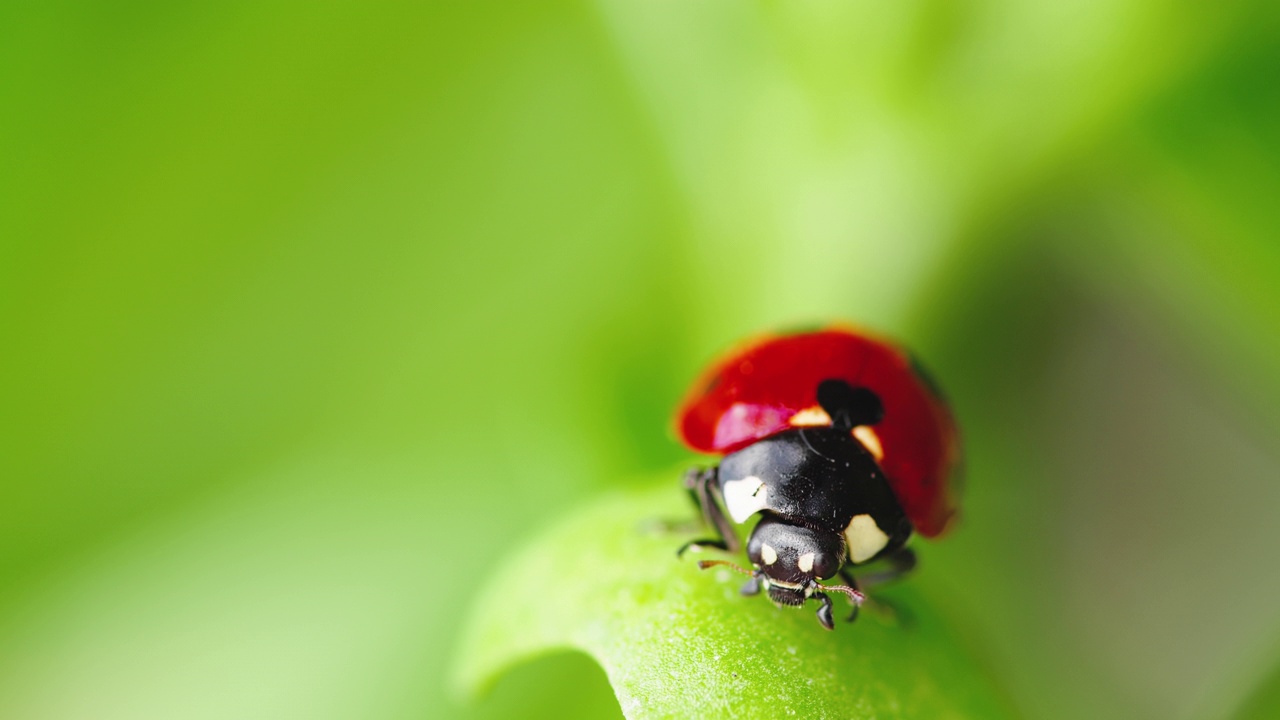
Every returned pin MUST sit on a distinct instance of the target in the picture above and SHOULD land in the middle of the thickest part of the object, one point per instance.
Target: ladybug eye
(826, 566)
(818, 564)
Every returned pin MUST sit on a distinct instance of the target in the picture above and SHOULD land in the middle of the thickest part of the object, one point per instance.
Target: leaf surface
(677, 642)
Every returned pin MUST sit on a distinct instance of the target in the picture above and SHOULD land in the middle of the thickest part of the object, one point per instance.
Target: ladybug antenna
(704, 564)
(848, 406)
(855, 596)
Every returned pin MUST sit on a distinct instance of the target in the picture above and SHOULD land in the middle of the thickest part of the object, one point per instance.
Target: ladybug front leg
(853, 583)
(824, 611)
(703, 488)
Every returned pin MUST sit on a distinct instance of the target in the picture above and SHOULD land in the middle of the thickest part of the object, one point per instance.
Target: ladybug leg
(853, 583)
(824, 612)
(691, 486)
(702, 543)
(701, 483)
(901, 562)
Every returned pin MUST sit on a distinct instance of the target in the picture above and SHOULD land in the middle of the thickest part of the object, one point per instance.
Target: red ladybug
(839, 441)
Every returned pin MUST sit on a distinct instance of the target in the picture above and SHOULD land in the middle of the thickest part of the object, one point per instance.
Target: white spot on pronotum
(870, 440)
(805, 562)
(768, 554)
(865, 538)
(746, 497)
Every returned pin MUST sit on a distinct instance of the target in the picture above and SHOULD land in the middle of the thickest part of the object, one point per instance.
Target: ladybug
(839, 442)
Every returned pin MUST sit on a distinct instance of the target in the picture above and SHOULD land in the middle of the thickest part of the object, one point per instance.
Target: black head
(792, 558)
(789, 560)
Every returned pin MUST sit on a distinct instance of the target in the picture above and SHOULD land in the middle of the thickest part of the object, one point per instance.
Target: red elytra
(760, 388)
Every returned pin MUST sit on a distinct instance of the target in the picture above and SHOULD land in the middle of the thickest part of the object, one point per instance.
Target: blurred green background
(309, 312)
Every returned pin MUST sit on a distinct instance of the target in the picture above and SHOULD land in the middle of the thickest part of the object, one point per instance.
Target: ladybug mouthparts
(790, 596)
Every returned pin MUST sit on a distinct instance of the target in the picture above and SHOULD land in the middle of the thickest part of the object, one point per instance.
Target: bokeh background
(309, 312)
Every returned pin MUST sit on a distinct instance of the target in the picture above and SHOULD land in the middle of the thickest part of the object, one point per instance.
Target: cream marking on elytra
(870, 440)
(811, 417)
(864, 537)
(768, 554)
(746, 497)
(805, 562)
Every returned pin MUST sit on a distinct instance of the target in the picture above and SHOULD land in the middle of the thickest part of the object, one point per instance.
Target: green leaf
(678, 642)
